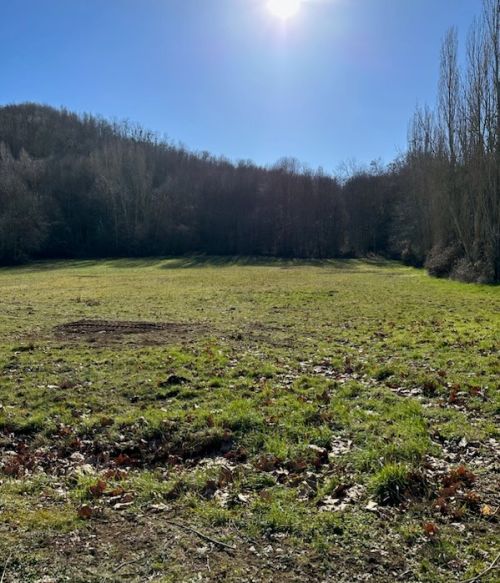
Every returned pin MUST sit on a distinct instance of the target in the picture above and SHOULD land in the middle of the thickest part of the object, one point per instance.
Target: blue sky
(336, 82)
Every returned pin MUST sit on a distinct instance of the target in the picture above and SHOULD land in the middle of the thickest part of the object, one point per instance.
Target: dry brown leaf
(85, 512)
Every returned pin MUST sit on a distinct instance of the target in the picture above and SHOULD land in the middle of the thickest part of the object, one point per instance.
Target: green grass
(314, 380)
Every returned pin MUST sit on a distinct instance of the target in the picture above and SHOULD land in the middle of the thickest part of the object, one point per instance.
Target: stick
(124, 564)
(477, 577)
(200, 534)
(5, 568)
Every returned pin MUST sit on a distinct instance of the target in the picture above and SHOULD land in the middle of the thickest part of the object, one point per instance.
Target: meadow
(232, 419)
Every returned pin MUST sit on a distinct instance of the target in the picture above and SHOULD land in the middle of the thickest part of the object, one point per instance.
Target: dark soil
(83, 327)
(103, 331)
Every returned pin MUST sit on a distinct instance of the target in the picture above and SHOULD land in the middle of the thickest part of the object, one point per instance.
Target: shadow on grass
(51, 264)
(200, 261)
(57, 264)
(194, 261)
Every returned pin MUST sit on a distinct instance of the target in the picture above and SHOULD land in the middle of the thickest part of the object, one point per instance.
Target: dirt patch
(150, 546)
(84, 327)
(259, 334)
(104, 331)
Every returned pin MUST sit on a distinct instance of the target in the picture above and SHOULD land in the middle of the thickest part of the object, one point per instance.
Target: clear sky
(337, 81)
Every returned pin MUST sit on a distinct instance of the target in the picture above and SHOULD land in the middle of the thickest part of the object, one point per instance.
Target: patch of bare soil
(103, 331)
(257, 334)
(158, 544)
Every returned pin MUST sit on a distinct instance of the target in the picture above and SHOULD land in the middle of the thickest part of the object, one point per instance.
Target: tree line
(79, 186)
(453, 160)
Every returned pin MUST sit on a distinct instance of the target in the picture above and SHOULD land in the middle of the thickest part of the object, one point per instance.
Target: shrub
(410, 255)
(441, 260)
(469, 272)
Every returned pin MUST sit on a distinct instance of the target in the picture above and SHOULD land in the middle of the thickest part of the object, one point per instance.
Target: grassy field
(284, 421)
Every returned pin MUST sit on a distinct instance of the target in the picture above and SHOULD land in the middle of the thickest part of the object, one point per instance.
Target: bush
(441, 260)
(469, 272)
(410, 255)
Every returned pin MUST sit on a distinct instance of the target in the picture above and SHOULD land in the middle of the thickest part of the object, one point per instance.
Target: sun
(284, 9)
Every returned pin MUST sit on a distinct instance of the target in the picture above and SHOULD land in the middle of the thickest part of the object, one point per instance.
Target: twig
(5, 567)
(124, 564)
(201, 535)
(477, 577)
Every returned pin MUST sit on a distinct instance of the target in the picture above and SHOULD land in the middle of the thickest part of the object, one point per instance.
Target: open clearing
(235, 420)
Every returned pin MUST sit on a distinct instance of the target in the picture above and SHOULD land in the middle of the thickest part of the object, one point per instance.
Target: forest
(78, 186)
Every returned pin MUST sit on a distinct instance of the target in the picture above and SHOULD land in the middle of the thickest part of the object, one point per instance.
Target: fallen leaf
(98, 489)
(487, 510)
(85, 512)
(431, 529)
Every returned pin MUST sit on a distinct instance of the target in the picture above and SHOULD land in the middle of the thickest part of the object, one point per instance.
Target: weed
(390, 483)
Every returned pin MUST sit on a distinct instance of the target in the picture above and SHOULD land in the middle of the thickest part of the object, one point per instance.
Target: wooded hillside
(79, 186)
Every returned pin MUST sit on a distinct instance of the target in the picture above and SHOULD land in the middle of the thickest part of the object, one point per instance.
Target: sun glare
(284, 9)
